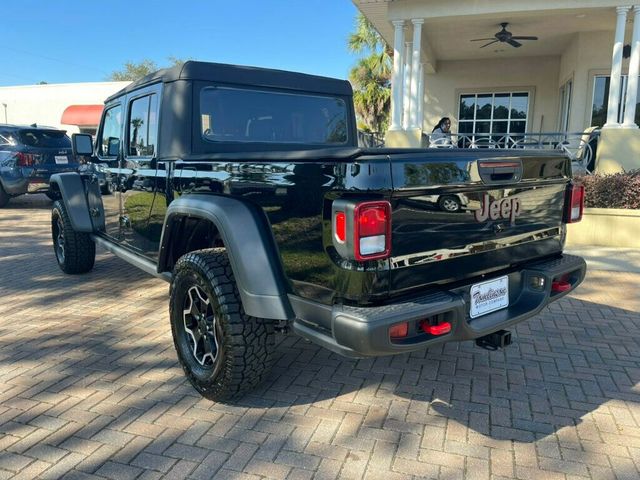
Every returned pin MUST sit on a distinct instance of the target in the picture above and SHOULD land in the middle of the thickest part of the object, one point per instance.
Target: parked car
(100, 172)
(29, 155)
(450, 203)
(245, 189)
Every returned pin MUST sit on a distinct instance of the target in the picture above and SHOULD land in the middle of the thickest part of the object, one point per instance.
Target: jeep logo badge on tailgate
(500, 208)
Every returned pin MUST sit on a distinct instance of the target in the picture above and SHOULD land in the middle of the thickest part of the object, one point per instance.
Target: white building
(75, 107)
(491, 88)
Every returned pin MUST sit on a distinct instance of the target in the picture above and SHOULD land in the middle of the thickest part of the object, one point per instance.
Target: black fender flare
(250, 245)
(73, 195)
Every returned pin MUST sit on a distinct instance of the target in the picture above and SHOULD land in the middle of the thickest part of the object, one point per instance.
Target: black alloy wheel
(58, 240)
(201, 328)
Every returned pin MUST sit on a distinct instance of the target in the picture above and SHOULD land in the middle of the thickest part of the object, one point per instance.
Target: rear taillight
(362, 230)
(573, 203)
(372, 236)
(340, 226)
(25, 159)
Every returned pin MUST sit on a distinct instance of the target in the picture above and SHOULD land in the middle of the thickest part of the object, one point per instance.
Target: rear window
(45, 138)
(243, 115)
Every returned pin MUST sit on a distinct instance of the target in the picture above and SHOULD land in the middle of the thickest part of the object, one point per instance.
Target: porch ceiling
(449, 37)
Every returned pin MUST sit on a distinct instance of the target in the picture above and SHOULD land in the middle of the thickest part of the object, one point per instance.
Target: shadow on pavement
(91, 357)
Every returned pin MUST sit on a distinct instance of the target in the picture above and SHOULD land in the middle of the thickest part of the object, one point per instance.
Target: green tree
(132, 71)
(371, 76)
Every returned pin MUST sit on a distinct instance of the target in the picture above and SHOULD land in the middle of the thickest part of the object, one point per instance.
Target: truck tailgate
(460, 214)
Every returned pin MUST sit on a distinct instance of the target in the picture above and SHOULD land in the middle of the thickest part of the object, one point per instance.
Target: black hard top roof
(243, 75)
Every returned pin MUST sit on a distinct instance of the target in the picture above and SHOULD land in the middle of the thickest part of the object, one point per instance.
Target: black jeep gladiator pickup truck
(245, 189)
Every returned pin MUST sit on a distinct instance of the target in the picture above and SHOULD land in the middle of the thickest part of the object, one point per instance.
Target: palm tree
(371, 76)
(371, 94)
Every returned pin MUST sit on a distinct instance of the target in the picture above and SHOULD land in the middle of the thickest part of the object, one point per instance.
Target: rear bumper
(18, 181)
(364, 332)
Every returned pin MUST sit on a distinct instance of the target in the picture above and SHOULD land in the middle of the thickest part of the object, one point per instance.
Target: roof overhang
(449, 26)
(82, 115)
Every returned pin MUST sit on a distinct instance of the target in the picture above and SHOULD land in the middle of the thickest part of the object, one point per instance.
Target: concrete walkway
(611, 259)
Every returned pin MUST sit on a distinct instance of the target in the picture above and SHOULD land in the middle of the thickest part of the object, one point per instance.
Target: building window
(493, 115)
(600, 101)
(565, 105)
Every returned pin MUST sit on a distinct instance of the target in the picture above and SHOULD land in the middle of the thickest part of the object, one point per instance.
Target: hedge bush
(618, 190)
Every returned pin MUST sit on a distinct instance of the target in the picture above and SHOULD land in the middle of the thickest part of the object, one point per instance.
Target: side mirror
(82, 144)
(114, 147)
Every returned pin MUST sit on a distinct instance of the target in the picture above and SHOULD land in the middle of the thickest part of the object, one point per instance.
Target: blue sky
(83, 41)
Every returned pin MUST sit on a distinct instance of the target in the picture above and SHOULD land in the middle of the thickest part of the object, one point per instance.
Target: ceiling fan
(504, 36)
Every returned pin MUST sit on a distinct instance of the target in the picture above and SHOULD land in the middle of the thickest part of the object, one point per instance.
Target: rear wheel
(223, 351)
(4, 197)
(75, 251)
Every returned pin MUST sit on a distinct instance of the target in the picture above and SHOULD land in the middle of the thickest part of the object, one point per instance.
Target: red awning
(82, 115)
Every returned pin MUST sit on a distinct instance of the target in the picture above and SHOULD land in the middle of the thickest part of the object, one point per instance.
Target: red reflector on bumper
(400, 330)
(560, 286)
(440, 329)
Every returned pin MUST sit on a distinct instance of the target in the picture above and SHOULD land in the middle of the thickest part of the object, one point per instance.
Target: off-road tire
(245, 344)
(78, 252)
(4, 197)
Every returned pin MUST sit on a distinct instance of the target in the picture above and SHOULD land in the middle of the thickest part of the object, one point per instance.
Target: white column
(616, 69)
(406, 92)
(421, 97)
(397, 80)
(634, 71)
(415, 71)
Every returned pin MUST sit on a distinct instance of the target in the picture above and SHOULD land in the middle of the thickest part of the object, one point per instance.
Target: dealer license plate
(487, 297)
(61, 159)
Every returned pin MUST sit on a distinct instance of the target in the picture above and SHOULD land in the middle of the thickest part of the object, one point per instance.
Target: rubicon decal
(499, 208)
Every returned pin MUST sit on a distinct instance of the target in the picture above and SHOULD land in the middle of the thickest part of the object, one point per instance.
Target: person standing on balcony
(441, 133)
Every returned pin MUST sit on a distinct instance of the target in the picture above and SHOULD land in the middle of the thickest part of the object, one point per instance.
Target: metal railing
(580, 147)
(370, 139)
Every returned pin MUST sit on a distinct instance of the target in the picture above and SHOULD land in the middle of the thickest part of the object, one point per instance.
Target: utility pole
(5, 112)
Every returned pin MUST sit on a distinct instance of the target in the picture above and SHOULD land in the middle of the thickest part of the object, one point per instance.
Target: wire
(19, 77)
(46, 57)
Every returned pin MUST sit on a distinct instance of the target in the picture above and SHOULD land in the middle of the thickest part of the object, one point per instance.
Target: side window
(143, 126)
(111, 129)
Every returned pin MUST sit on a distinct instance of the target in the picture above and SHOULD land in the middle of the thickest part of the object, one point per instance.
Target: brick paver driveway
(90, 388)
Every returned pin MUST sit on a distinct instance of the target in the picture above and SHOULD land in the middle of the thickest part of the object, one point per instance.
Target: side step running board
(136, 260)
